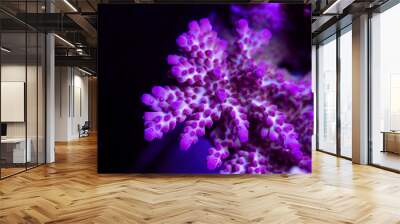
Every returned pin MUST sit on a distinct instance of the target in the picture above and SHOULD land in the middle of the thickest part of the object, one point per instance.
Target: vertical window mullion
(338, 80)
(317, 97)
(26, 87)
(37, 90)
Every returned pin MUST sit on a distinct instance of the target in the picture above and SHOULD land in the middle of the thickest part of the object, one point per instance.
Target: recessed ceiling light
(5, 50)
(331, 7)
(64, 40)
(84, 71)
(70, 5)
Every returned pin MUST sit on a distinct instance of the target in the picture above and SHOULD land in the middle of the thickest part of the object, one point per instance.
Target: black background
(133, 43)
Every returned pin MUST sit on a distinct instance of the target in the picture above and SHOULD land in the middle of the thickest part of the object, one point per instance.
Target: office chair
(84, 130)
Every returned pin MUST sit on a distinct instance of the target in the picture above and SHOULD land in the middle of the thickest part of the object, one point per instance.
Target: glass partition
(22, 89)
(31, 100)
(13, 94)
(327, 96)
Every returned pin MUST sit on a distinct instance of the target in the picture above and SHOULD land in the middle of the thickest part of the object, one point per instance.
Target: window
(327, 96)
(385, 89)
(346, 93)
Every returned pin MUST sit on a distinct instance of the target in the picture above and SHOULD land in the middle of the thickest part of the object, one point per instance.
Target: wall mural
(231, 96)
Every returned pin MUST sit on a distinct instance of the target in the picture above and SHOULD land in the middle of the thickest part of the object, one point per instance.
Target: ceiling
(75, 23)
(332, 15)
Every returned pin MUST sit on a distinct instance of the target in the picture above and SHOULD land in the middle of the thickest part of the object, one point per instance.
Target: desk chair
(84, 130)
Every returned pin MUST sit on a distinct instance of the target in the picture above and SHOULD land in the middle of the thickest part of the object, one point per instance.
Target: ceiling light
(65, 41)
(326, 11)
(84, 71)
(70, 5)
(79, 51)
(5, 50)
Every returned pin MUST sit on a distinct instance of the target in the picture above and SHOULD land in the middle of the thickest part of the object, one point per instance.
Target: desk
(391, 141)
(13, 150)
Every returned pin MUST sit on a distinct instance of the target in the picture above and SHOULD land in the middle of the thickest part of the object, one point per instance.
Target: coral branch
(258, 120)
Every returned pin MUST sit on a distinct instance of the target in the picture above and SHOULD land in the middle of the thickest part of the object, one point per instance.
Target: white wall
(17, 73)
(71, 102)
(33, 127)
(61, 103)
(10, 73)
(80, 94)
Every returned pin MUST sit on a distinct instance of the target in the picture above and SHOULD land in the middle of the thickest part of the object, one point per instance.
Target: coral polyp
(258, 118)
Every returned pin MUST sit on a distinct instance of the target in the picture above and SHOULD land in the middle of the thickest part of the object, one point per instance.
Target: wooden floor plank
(71, 191)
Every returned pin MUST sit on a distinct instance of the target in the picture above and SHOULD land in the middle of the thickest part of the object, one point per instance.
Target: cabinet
(391, 142)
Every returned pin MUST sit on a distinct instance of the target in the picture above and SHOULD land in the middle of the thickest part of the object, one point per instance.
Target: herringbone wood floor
(70, 191)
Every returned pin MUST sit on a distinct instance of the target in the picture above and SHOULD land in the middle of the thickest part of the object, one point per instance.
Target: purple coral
(269, 15)
(258, 119)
